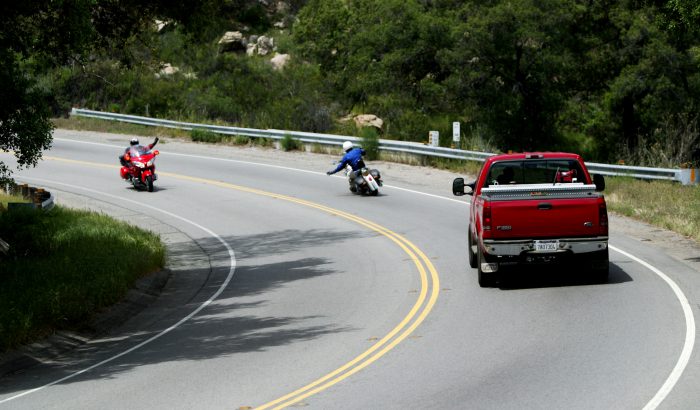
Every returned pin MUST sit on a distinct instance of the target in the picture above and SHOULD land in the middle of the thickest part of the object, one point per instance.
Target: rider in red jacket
(133, 142)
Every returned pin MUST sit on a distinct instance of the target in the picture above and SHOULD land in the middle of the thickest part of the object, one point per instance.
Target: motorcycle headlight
(139, 164)
(150, 163)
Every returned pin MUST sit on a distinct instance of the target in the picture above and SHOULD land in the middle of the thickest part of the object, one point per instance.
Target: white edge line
(688, 345)
(231, 271)
(687, 351)
(264, 165)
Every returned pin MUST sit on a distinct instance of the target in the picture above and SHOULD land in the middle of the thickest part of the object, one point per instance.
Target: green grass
(199, 135)
(64, 266)
(5, 199)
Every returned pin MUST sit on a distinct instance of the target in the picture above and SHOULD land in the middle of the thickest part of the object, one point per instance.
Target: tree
(40, 34)
(512, 64)
(33, 34)
(380, 55)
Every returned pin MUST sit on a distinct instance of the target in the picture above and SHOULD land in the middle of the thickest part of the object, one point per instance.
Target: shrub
(199, 135)
(263, 142)
(370, 142)
(290, 144)
(241, 140)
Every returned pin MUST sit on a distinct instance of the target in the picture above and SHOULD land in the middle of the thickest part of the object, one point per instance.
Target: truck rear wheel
(486, 279)
(470, 247)
(600, 266)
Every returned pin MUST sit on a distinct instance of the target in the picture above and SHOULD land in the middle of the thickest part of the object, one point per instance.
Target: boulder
(279, 61)
(168, 69)
(369, 120)
(282, 7)
(251, 49)
(161, 25)
(233, 41)
(265, 45)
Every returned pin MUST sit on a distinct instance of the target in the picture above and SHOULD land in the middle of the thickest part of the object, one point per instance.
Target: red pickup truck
(536, 208)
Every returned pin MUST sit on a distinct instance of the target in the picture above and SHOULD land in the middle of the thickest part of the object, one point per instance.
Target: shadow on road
(229, 325)
(529, 277)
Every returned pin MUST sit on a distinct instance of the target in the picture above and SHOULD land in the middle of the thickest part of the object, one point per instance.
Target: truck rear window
(535, 172)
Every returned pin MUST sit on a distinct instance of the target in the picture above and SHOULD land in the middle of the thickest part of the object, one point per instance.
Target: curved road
(301, 294)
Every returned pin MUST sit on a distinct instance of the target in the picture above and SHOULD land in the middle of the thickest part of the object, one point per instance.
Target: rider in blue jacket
(353, 157)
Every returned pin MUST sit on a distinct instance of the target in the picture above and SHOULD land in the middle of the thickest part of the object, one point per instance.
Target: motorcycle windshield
(138, 150)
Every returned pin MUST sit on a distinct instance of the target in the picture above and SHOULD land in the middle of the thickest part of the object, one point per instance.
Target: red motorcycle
(141, 168)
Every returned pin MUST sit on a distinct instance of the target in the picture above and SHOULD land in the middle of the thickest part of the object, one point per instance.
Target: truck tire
(600, 266)
(472, 254)
(486, 279)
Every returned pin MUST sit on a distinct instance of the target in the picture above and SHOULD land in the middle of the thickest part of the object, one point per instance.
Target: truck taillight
(603, 216)
(486, 215)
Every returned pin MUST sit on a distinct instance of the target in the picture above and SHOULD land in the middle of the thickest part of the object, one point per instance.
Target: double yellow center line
(427, 297)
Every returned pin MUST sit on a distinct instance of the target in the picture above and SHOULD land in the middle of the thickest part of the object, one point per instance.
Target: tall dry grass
(664, 204)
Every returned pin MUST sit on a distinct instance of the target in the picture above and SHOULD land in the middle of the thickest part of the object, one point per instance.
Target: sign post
(455, 134)
(434, 138)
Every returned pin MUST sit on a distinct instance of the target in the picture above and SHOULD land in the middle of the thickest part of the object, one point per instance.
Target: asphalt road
(287, 290)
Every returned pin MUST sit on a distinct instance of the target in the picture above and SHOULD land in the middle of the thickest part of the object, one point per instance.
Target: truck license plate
(546, 246)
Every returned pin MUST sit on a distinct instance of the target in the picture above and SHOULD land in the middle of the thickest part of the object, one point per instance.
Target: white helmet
(347, 146)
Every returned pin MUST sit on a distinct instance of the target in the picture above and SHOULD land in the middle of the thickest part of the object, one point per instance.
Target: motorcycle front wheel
(149, 183)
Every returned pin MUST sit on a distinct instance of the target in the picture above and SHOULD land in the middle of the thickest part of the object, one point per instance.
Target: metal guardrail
(40, 199)
(636, 172)
(680, 175)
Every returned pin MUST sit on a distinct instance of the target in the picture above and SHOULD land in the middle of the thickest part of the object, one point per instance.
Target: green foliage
(36, 36)
(606, 79)
(525, 74)
(241, 140)
(370, 142)
(25, 128)
(264, 142)
(289, 143)
(65, 265)
(199, 135)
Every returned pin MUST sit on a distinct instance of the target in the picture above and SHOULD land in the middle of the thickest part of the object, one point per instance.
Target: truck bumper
(524, 247)
(583, 252)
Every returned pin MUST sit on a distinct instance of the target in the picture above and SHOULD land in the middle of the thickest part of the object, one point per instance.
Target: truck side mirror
(599, 182)
(458, 187)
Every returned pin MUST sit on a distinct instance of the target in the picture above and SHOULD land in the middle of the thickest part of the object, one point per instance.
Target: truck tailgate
(538, 211)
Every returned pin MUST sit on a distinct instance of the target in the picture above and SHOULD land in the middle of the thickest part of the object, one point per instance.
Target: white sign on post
(434, 138)
(455, 131)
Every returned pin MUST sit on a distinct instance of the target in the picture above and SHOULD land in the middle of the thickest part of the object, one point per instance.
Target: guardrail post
(690, 176)
(37, 197)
